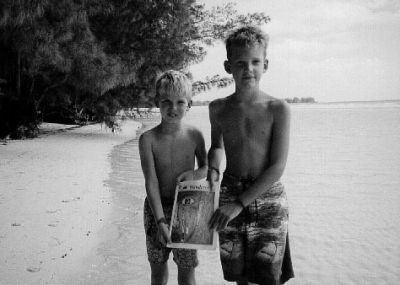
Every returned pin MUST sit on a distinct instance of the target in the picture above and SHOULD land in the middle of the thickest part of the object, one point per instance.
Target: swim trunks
(158, 253)
(254, 247)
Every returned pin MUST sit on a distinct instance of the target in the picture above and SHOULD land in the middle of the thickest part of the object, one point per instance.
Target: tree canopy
(70, 60)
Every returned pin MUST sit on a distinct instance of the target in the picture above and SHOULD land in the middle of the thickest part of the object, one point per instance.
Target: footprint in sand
(33, 269)
(71, 200)
(65, 254)
(54, 242)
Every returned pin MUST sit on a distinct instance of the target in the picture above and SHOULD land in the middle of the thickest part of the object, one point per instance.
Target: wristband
(213, 168)
(237, 200)
(161, 220)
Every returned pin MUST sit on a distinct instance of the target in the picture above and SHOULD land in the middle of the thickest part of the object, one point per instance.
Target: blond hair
(245, 37)
(174, 83)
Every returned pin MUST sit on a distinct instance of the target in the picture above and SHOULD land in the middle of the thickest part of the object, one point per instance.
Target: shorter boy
(168, 153)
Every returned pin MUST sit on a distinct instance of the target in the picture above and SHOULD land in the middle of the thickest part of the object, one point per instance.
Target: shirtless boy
(252, 129)
(168, 153)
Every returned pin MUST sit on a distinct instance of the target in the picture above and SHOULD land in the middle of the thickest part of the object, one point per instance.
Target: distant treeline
(200, 103)
(300, 100)
(289, 100)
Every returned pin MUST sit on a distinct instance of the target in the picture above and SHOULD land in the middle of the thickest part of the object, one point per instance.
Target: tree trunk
(18, 83)
(31, 90)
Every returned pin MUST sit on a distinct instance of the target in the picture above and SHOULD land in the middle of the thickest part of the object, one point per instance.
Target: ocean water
(342, 181)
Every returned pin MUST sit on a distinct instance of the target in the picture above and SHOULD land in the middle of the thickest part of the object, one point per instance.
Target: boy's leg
(186, 276)
(186, 260)
(266, 236)
(159, 273)
(157, 253)
(232, 238)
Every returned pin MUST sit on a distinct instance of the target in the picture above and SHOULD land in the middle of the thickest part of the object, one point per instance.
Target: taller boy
(253, 128)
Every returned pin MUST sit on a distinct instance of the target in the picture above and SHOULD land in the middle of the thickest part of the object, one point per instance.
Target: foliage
(70, 61)
(214, 81)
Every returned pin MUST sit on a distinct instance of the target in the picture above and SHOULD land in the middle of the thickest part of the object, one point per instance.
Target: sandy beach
(71, 202)
(54, 201)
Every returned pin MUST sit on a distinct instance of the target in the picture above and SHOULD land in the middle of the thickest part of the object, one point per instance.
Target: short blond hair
(174, 83)
(246, 36)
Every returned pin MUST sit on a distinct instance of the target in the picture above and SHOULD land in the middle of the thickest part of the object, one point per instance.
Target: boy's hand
(185, 176)
(163, 234)
(223, 215)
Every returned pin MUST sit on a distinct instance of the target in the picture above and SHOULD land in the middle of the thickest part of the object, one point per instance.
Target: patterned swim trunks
(254, 247)
(157, 253)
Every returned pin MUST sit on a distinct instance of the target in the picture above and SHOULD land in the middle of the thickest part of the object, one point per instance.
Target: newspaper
(194, 204)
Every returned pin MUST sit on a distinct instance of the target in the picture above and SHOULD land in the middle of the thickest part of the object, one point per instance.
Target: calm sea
(343, 185)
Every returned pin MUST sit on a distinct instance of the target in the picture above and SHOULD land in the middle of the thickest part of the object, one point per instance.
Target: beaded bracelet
(161, 220)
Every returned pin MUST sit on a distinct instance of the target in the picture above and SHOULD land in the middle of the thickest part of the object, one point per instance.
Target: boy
(168, 153)
(253, 130)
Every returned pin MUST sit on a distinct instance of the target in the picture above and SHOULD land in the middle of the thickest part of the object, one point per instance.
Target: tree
(73, 59)
(162, 35)
(52, 61)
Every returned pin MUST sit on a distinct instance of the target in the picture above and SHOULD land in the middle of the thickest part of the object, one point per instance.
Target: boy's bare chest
(172, 150)
(254, 124)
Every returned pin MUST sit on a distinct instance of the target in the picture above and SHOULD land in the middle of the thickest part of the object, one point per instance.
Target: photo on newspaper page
(194, 204)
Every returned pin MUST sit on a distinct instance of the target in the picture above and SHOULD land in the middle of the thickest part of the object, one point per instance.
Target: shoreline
(117, 256)
(48, 184)
(121, 256)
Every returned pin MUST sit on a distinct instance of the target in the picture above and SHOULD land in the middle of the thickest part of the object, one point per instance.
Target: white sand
(53, 201)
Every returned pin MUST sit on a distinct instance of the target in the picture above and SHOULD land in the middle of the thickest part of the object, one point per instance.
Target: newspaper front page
(194, 204)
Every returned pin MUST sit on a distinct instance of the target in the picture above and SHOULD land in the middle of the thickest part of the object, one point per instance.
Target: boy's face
(247, 64)
(173, 108)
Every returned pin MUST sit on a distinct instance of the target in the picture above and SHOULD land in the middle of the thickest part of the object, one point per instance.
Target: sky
(332, 50)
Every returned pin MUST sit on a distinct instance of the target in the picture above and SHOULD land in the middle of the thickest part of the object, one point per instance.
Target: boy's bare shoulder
(218, 104)
(275, 102)
(192, 131)
(278, 107)
(147, 136)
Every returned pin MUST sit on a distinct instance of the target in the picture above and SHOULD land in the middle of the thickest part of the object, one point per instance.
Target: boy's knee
(186, 276)
(159, 274)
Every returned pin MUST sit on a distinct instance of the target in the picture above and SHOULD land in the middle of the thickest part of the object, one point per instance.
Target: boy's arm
(151, 181)
(201, 157)
(216, 152)
(278, 154)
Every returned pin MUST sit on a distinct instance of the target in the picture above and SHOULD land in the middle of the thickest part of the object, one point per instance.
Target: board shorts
(158, 253)
(254, 247)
